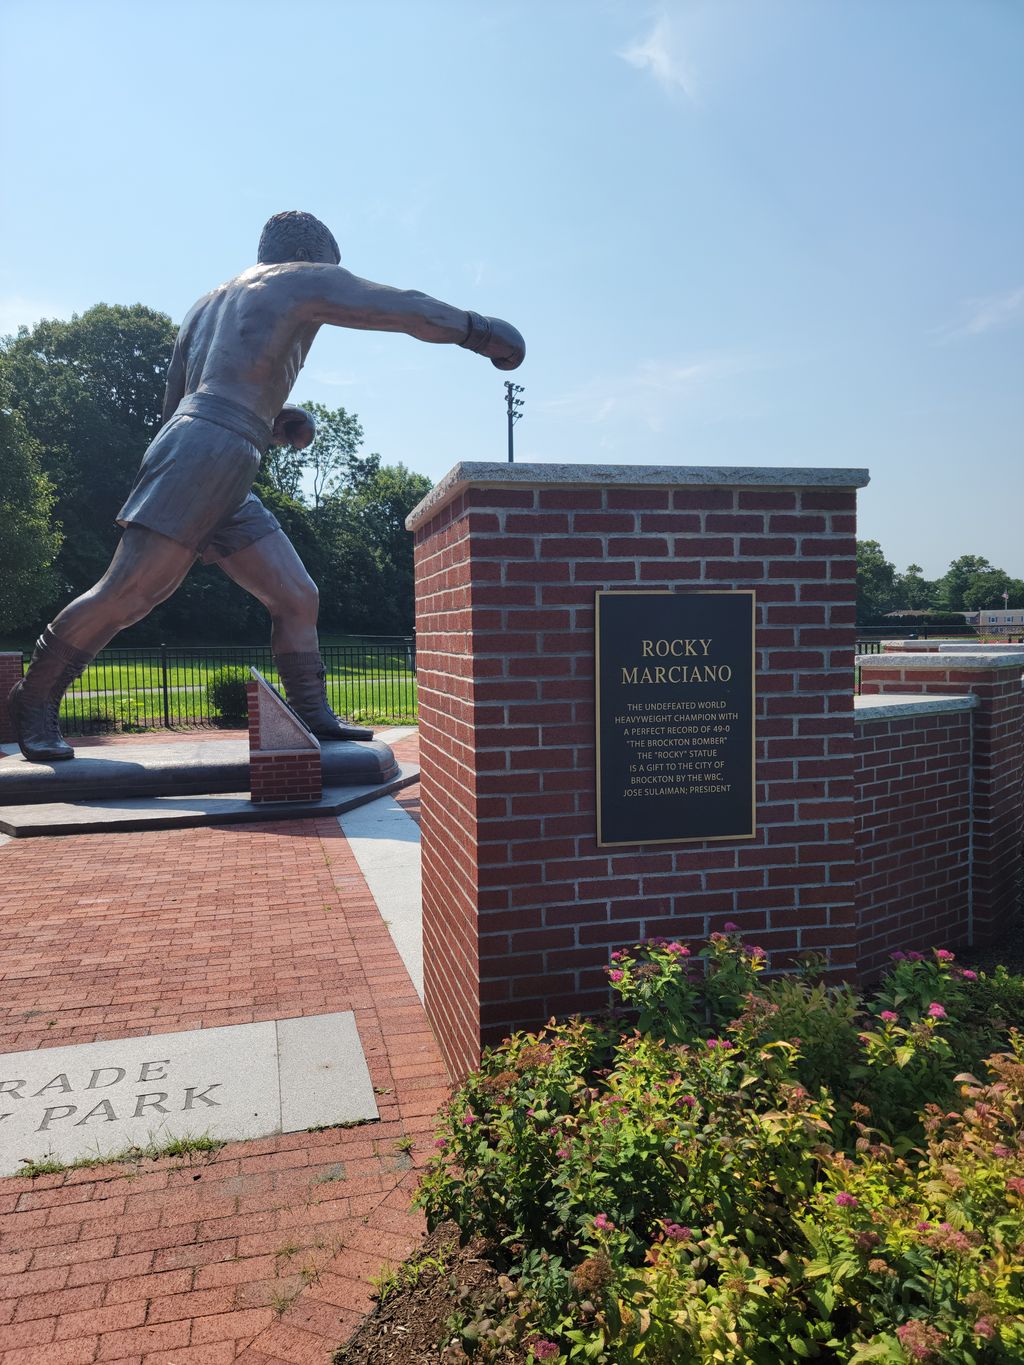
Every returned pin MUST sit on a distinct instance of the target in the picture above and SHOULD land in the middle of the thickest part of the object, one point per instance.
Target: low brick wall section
(994, 679)
(285, 776)
(913, 828)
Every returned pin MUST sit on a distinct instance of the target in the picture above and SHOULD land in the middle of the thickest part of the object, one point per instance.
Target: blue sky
(742, 232)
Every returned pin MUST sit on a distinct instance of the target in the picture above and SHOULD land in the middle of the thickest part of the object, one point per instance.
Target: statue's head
(296, 236)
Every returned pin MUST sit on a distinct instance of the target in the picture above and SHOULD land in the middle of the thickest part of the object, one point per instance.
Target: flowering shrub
(728, 1181)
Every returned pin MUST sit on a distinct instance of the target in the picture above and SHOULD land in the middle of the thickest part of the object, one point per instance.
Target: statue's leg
(272, 571)
(146, 568)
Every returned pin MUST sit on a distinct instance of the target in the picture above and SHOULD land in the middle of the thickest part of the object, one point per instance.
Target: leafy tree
(368, 575)
(986, 590)
(876, 582)
(972, 582)
(913, 590)
(28, 539)
(331, 461)
(90, 393)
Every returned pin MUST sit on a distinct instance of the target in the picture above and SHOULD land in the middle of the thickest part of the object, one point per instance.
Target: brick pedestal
(284, 757)
(521, 908)
(994, 677)
(10, 673)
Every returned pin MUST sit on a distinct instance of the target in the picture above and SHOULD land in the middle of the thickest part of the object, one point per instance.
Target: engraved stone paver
(260, 1251)
(240, 1081)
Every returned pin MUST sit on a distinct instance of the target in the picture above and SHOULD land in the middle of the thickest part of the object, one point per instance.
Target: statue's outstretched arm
(332, 294)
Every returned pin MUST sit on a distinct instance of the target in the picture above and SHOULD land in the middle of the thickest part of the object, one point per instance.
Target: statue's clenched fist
(496, 338)
(294, 426)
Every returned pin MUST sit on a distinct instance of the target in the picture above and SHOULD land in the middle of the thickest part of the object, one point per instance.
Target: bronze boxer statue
(236, 357)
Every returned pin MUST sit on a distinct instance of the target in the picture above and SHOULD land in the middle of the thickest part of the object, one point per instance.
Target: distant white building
(997, 621)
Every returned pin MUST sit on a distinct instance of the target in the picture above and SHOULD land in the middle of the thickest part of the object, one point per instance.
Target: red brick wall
(521, 908)
(279, 774)
(912, 835)
(998, 768)
(285, 776)
(10, 673)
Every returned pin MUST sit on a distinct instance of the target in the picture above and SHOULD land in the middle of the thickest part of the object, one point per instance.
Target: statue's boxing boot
(304, 679)
(35, 701)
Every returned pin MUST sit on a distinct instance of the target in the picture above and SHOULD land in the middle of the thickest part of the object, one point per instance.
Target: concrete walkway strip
(386, 844)
(240, 1081)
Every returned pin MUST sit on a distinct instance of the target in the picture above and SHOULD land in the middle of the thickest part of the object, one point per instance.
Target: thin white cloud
(986, 315)
(650, 394)
(662, 54)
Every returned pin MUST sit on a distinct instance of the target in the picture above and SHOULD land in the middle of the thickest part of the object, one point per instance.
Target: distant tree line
(970, 583)
(79, 403)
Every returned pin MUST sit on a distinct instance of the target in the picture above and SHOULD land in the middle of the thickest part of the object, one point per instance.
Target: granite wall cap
(951, 647)
(964, 662)
(888, 706)
(492, 474)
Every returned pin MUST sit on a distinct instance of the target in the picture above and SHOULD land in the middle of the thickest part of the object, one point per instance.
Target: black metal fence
(169, 686)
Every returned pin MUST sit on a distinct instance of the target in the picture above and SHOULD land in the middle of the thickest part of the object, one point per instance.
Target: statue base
(177, 781)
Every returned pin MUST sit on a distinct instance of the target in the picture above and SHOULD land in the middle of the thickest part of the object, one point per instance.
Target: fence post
(167, 696)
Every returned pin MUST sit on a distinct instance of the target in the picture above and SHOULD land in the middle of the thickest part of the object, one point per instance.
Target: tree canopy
(90, 393)
(29, 540)
(971, 583)
(80, 401)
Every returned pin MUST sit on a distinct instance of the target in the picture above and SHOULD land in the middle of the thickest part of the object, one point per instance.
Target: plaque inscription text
(675, 716)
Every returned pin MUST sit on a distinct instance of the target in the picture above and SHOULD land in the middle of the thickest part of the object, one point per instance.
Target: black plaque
(675, 716)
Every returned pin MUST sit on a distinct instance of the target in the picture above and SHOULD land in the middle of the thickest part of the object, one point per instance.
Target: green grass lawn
(127, 689)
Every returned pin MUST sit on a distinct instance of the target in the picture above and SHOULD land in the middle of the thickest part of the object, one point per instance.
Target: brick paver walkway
(262, 1251)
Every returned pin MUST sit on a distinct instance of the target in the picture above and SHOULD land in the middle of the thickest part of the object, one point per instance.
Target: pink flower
(845, 1200)
(719, 1042)
(688, 1100)
(898, 956)
(970, 976)
(983, 1328)
(616, 975)
(936, 1011)
(677, 949)
(441, 1142)
(603, 1223)
(469, 1118)
(922, 1227)
(915, 957)
(543, 1349)
(753, 951)
(729, 927)
(944, 955)
(618, 956)
(920, 1340)
(888, 1017)
(676, 1232)
(1015, 1185)
(563, 1152)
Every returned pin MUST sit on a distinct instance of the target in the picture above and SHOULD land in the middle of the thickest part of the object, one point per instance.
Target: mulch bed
(446, 1287)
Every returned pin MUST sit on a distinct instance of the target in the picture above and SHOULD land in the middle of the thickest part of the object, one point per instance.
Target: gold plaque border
(671, 592)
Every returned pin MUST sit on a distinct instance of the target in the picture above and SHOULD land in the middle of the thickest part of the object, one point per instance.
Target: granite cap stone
(492, 474)
(889, 706)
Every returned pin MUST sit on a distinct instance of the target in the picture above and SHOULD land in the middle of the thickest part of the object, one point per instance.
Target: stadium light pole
(514, 405)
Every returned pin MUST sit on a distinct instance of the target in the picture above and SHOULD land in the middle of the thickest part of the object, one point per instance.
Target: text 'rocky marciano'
(653, 674)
